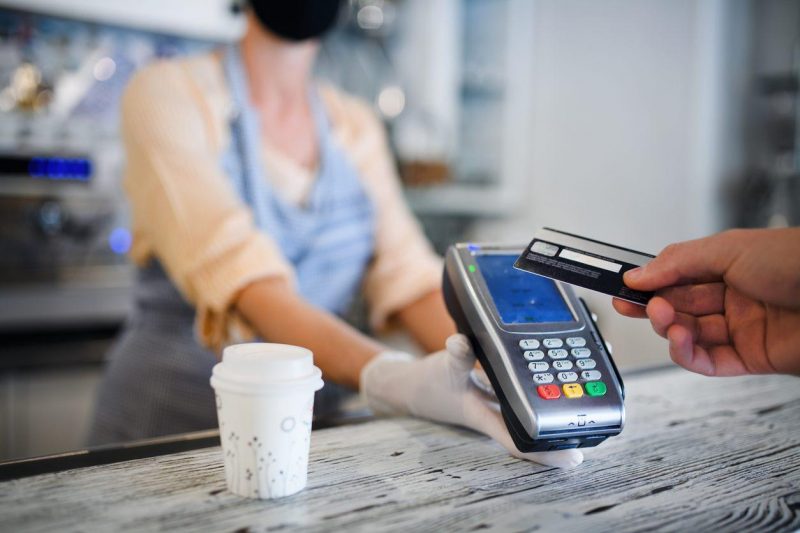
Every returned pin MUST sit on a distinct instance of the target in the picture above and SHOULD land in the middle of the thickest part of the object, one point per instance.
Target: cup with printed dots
(265, 399)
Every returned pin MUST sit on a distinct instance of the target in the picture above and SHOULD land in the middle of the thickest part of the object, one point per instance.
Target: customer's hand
(729, 304)
(438, 387)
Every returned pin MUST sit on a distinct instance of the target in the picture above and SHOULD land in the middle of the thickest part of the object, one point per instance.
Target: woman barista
(262, 203)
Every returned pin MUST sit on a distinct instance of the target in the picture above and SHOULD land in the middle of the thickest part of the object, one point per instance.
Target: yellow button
(573, 390)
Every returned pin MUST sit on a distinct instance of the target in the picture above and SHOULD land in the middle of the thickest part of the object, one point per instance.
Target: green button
(596, 388)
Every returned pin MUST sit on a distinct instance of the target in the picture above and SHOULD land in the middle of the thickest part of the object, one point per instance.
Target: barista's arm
(402, 284)
(428, 321)
(281, 315)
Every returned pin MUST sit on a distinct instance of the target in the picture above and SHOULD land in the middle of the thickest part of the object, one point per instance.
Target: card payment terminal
(555, 380)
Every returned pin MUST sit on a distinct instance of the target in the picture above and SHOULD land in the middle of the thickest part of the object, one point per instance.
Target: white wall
(635, 130)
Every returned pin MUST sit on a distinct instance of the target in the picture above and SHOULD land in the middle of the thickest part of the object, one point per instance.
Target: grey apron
(157, 378)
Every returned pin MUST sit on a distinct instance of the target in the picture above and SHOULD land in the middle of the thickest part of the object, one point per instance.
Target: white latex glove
(438, 387)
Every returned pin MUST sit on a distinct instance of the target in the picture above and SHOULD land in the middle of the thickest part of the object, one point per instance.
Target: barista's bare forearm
(280, 315)
(428, 321)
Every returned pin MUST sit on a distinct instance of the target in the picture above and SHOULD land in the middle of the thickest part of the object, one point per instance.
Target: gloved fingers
(384, 383)
(557, 458)
(459, 345)
(486, 418)
(462, 358)
(480, 381)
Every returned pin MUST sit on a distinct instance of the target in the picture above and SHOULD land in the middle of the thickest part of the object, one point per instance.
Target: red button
(549, 392)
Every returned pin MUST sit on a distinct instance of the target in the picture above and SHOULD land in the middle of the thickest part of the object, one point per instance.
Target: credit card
(587, 263)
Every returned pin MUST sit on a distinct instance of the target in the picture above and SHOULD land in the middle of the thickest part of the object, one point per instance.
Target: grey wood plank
(696, 454)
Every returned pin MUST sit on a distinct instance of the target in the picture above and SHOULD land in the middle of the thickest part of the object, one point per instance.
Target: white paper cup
(265, 399)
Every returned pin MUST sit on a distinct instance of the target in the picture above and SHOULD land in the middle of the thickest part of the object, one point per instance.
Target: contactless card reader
(555, 380)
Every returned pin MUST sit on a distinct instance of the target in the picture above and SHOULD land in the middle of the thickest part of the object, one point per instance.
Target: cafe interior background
(638, 122)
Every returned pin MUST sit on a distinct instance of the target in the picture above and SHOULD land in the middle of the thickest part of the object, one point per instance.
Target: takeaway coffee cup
(265, 399)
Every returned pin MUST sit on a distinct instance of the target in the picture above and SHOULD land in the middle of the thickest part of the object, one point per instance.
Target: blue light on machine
(473, 248)
(60, 168)
(119, 240)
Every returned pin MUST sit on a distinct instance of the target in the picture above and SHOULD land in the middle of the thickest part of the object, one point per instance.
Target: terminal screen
(521, 297)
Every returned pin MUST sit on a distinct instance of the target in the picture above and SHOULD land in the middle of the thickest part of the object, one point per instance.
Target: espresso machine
(63, 240)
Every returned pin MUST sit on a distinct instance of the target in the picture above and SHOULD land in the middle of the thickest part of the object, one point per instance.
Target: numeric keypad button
(558, 353)
(553, 343)
(586, 364)
(567, 377)
(591, 375)
(562, 365)
(538, 367)
(549, 392)
(576, 342)
(596, 388)
(529, 344)
(580, 353)
(543, 378)
(533, 355)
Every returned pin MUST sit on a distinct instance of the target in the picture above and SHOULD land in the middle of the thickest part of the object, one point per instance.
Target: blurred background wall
(639, 122)
(638, 126)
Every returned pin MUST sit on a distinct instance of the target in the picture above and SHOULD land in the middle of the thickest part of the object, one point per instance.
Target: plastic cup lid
(266, 364)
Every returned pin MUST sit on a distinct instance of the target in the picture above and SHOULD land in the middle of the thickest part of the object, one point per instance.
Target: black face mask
(296, 20)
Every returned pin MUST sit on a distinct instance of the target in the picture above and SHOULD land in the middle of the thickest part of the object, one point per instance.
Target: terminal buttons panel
(563, 368)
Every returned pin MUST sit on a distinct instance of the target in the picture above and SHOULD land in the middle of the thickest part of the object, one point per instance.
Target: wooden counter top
(697, 454)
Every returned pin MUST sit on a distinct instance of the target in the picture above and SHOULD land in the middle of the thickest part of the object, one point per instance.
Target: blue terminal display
(60, 168)
(520, 297)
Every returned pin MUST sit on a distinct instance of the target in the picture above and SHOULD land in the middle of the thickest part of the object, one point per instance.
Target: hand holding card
(587, 263)
(729, 303)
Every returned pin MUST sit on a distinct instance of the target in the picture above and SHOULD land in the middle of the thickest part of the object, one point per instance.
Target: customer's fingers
(697, 261)
(697, 299)
(661, 314)
(706, 330)
(628, 309)
(719, 360)
(709, 330)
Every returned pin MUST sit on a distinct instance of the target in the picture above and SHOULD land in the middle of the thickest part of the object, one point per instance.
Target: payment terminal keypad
(591, 375)
(576, 342)
(553, 343)
(567, 377)
(562, 365)
(533, 355)
(596, 388)
(549, 392)
(567, 373)
(573, 390)
(581, 352)
(529, 344)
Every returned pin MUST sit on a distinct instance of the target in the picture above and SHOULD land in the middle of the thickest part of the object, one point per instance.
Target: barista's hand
(438, 387)
(729, 304)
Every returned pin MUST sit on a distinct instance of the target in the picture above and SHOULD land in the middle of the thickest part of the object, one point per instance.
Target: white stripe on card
(589, 260)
